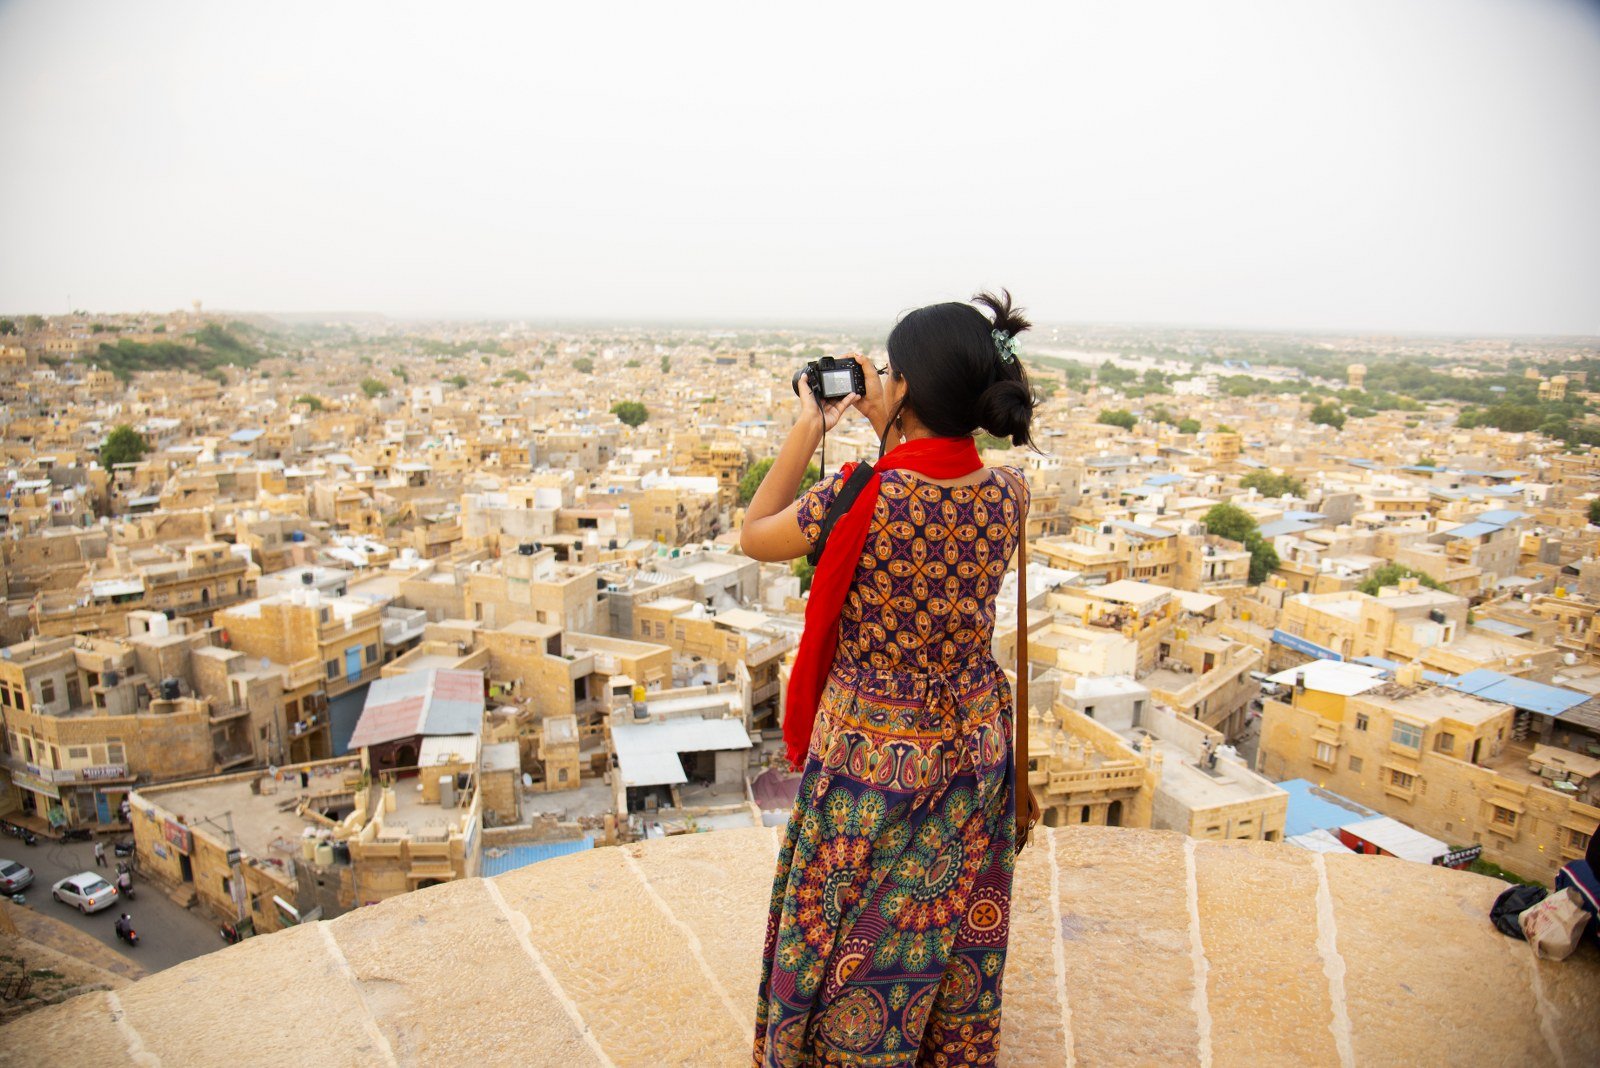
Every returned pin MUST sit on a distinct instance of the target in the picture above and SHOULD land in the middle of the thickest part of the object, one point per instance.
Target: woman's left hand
(1028, 811)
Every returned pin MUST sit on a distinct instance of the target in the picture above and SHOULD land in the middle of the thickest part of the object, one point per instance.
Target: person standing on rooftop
(886, 940)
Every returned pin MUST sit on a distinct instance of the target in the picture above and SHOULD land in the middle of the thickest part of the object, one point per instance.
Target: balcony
(1090, 780)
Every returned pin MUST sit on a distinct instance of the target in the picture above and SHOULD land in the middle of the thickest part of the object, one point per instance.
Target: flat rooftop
(265, 823)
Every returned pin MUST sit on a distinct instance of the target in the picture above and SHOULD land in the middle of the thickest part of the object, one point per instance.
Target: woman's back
(924, 590)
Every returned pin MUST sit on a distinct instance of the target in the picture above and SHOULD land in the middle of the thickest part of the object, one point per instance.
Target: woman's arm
(771, 529)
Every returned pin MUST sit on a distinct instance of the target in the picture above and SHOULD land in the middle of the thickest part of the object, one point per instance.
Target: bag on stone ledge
(1512, 903)
(1555, 925)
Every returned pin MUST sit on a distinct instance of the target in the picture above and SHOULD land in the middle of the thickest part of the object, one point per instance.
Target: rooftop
(1246, 952)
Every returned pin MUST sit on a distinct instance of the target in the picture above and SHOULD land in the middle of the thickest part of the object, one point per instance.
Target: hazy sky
(1390, 165)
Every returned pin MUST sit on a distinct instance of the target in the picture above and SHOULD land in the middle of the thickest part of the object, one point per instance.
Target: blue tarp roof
(1162, 480)
(1312, 808)
(1500, 516)
(523, 855)
(1519, 693)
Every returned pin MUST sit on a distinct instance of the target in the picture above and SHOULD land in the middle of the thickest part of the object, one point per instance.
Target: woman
(886, 941)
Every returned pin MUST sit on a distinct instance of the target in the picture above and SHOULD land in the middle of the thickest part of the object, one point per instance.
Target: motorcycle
(123, 847)
(126, 932)
(16, 830)
(77, 834)
(230, 934)
(125, 887)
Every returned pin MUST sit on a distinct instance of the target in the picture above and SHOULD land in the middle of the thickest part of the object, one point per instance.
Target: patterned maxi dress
(886, 940)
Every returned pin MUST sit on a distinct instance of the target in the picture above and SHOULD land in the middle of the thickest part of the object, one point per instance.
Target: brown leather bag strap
(1020, 710)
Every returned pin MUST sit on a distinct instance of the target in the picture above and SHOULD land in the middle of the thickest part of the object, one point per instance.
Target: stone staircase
(1127, 948)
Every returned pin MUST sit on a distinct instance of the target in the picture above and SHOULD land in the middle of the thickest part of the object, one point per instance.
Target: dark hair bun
(1005, 316)
(1005, 410)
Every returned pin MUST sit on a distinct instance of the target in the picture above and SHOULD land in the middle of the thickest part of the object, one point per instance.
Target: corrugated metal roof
(1502, 627)
(1394, 837)
(521, 856)
(1312, 808)
(1519, 693)
(1501, 516)
(647, 753)
(447, 701)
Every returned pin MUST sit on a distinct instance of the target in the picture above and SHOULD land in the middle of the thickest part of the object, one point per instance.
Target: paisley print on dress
(890, 906)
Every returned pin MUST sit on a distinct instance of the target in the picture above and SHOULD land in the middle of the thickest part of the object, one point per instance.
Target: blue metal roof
(1143, 531)
(1500, 516)
(1519, 693)
(1162, 480)
(1294, 513)
(1286, 526)
(1438, 678)
(521, 856)
(1501, 627)
(1312, 808)
(1474, 530)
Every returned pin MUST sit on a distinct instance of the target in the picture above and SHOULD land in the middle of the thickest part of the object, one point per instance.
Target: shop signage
(1458, 858)
(104, 771)
(1300, 645)
(178, 835)
(36, 784)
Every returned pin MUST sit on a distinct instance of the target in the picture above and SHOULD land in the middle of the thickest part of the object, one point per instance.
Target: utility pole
(235, 862)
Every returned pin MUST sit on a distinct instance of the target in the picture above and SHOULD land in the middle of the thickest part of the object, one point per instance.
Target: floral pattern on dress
(890, 907)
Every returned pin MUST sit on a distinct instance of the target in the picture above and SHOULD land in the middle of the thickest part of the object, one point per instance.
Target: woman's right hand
(871, 404)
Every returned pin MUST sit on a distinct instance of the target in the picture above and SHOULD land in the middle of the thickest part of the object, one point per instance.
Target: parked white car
(85, 891)
(14, 877)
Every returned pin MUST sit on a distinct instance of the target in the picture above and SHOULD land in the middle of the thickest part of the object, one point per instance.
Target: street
(168, 934)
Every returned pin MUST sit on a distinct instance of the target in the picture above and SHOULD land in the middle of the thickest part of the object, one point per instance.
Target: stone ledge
(1127, 947)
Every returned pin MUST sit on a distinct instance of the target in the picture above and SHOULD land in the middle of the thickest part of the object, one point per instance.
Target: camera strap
(841, 504)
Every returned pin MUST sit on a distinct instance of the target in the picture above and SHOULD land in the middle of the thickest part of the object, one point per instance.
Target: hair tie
(1005, 345)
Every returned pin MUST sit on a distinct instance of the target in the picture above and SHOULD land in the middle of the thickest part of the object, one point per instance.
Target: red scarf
(939, 458)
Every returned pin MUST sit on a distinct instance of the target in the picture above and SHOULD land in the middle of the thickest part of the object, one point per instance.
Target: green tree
(758, 471)
(1117, 417)
(1234, 523)
(631, 412)
(802, 567)
(1160, 413)
(1269, 484)
(987, 440)
(517, 374)
(312, 402)
(459, 381)
(1188, 426)
(1390, 575)
(1427, 461)
(583, 364)
(373, 388)
(1594, 511)
(666, 364)
(8, 326)
(33, 323)
(1328, 414)
(124, 445)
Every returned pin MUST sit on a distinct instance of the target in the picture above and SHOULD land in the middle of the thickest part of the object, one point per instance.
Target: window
(5, 695)
(1088, 710)
(114, 753)
(1504, 817)
(1400, 780)
(1577, 840)
(333, 669)
(1444, 742)
(1355, 763)
(323, 615)
(47, 691)
(372, 654)
(77, 752)
(561, 775)
(1406, 734)
(1326, 753)
(1361, 721)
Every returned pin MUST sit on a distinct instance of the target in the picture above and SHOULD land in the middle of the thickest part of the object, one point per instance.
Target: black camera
(831, 379)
